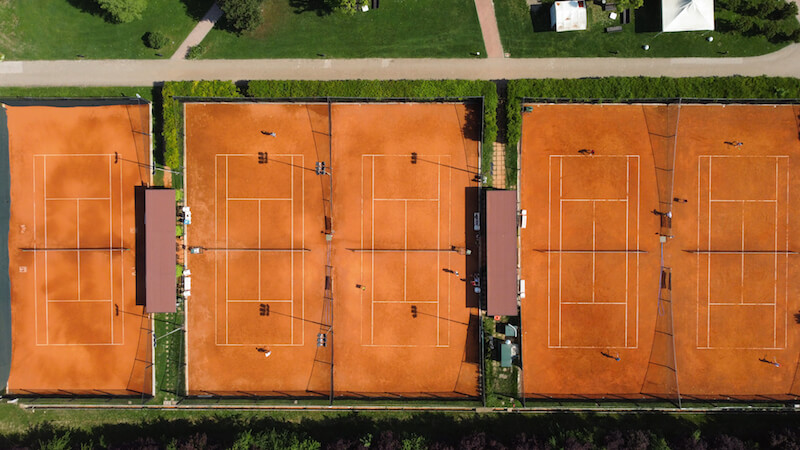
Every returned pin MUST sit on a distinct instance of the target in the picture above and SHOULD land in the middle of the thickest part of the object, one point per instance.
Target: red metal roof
(159, 228)
(501, 253)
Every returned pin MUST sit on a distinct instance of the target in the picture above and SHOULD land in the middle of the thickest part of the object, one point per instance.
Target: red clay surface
(383, 201)
(75, 325)
(380, 201)
(733, 311)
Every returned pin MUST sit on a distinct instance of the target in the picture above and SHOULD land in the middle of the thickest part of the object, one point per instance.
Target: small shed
(568, 16)
(501, 253)
(160, 259)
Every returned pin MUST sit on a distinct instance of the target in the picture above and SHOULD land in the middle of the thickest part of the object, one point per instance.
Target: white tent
(568, 16)
(687, 15)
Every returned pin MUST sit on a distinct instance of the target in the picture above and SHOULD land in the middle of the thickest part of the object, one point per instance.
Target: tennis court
(76, 325)
(300, 207)
(402, 224)
(260, 219)
(711, 310)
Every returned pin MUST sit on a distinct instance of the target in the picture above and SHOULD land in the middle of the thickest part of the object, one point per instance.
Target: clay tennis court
(285, 249)
(76, 326)
(396, 222)
(591, 254)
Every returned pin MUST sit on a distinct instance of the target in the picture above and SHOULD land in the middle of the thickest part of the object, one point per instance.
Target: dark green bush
(376, 89)
(622, 88)
(155, 39)
(195, 51)
(241, 15)
(173, 117)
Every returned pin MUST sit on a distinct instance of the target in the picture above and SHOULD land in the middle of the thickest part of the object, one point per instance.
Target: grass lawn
(526, 34)
(399, 28)
(63, 29)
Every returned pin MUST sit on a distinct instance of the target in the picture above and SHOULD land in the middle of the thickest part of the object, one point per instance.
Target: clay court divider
(661, 377)
(5, 284)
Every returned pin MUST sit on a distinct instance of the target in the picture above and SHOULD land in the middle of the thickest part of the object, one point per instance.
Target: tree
(123, 11)
(155, 39)
(242, 15)
(622, 5)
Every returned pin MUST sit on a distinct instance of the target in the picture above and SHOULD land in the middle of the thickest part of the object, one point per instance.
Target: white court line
(593, 252)
(259, 199)
(35, 263)
(102, 300)
(627, 222)
(594, 200)
(406, 199)
(228, 251)
(81, 198)
(271, 344)
(594, 247)
(291, 244)
(78, 233)
(258, 300)
(592, 302)
(414, 302)
(77, 200)
(743, 202)
(46, 293)
(560, 238)
(549, 228)
(372, 281)
(741, 304)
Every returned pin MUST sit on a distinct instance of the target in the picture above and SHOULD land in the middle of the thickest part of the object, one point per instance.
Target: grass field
(63, 29)
(529, 35)
(409, 28)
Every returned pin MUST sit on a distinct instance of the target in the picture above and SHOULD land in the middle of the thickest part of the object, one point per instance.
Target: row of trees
(240, 15)
(568, 439)
(774, 19)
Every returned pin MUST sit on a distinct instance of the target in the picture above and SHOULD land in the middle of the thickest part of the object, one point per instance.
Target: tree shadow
(472, 122)
(89, 7)
(197, 9)
(319, 7)
(648, 17)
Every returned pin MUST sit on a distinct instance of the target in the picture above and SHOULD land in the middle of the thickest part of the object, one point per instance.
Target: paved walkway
(491, 34)
(199, 32)
(785, 62)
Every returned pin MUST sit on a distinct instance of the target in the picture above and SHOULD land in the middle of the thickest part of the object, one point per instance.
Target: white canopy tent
(687, 15)
(568, 16)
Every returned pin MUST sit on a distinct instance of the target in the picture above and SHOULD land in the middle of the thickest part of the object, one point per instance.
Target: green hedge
(618, 89)
(376, 89)
(173, 117)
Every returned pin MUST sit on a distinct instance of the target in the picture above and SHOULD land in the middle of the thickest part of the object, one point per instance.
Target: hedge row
(620, 89)
(375, 89)
(173, 119)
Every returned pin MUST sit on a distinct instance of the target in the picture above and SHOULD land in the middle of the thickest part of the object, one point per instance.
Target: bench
(610, 7)
(615, 29)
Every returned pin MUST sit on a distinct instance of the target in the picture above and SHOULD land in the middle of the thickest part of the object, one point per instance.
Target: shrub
(155, 39)
(173, 119)
(621, 88)
(242, 15)
(375, 89)
(123, 11)
(195, 52)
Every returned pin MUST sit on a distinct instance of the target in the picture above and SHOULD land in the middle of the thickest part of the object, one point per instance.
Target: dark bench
(625, 17)
(615, 29)
(610, 7)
